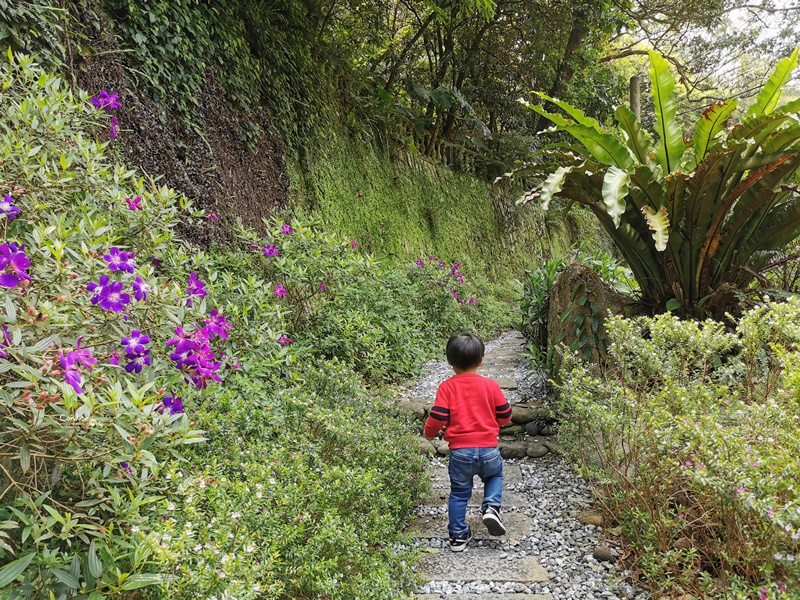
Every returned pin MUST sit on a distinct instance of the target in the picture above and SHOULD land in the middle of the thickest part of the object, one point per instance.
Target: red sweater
(473, 408)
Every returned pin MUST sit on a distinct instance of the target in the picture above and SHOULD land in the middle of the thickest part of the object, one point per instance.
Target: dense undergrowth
(193, 424)
(691, 437)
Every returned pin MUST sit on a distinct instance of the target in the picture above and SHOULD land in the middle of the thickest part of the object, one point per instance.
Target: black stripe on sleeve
(504, 411)
(440, 413)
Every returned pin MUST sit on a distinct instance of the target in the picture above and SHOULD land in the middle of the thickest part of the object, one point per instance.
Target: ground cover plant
(691, 437)
(171, 422)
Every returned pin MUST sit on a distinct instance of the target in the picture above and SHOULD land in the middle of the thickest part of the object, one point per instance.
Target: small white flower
(235, 515)
(170, 506)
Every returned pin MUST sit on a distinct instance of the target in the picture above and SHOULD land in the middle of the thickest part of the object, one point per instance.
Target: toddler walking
(473, 409)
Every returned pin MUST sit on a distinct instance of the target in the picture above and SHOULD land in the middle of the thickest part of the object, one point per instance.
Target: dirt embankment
(217, 170)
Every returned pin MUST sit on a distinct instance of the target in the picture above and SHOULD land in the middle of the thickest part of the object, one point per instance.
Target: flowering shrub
(98, 346)
(692, 437)
(114, 366)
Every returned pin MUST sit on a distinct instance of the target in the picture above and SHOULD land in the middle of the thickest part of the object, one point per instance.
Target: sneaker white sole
(460, 547)
(493, 525)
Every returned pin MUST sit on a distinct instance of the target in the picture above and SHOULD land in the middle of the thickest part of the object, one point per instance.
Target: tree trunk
(566, 70)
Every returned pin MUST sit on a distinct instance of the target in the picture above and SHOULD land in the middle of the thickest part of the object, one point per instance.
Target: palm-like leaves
(689, 222)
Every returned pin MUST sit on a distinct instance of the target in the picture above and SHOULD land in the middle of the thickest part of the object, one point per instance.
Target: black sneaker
(457, 544)
(491, 518)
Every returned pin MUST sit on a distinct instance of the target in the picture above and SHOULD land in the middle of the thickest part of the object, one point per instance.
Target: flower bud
(61, 298)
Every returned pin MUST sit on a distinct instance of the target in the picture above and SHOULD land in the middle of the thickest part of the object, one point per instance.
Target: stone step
(483, 564)
(510, 499)
(511, 474)
(506, 383)
(485, 597)
(517, 525)
(511, 355)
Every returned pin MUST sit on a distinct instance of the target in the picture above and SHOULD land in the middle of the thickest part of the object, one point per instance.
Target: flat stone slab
(506, 383)
(510, 356)
(511, 474)
(482, 563)
(485, 597)
(517, 525)
(510, 499)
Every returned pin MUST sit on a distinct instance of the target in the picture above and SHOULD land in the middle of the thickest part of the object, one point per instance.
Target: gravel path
(555, 494)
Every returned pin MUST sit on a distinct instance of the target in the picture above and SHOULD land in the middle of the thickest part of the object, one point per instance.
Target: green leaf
(552, 185)
(673, 304)
(603, 147)
(94, 564)
(24, 458)
(11, 311)
(134, 582)
(658, 221)
(67, 579)
(670, 147)
(768, 97)
(10, 572)
(711, 122)
(636, 139)
(573, 112)
(615, 188)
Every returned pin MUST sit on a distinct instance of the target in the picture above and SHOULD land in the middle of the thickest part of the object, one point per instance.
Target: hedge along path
(491, 564)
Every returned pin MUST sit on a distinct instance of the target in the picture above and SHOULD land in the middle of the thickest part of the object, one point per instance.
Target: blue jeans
(465, 463)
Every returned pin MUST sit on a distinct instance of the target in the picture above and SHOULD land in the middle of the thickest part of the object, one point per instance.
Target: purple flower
(441, 265)
(112, 297)
(472, 300)
(454, 294)
(137, 361)
(112, 133)
(216, 324)
(280, 291)
(269, 250)
(353, 243)
(134, 204)
(286, 229)
(172, 404)
(420, 262)
(8, 209)
(70, 365)
(194, 287)
(71, 373)
(13, 262)
(120, 260)
(97, 288)
(193, 355)
(5, 341)
(141, 289)
(322, 286)
(213, 216)
(106, 101)
(135, 343)
(84, 355)
(284, 341)
(113, 359)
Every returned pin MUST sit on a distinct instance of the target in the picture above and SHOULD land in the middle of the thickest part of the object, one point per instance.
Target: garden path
(554, 548)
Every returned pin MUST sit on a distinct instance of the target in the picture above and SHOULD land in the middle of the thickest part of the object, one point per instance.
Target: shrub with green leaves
(103, 334)
(691, 436)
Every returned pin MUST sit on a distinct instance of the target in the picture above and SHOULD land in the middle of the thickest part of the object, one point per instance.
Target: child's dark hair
(464, 350)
